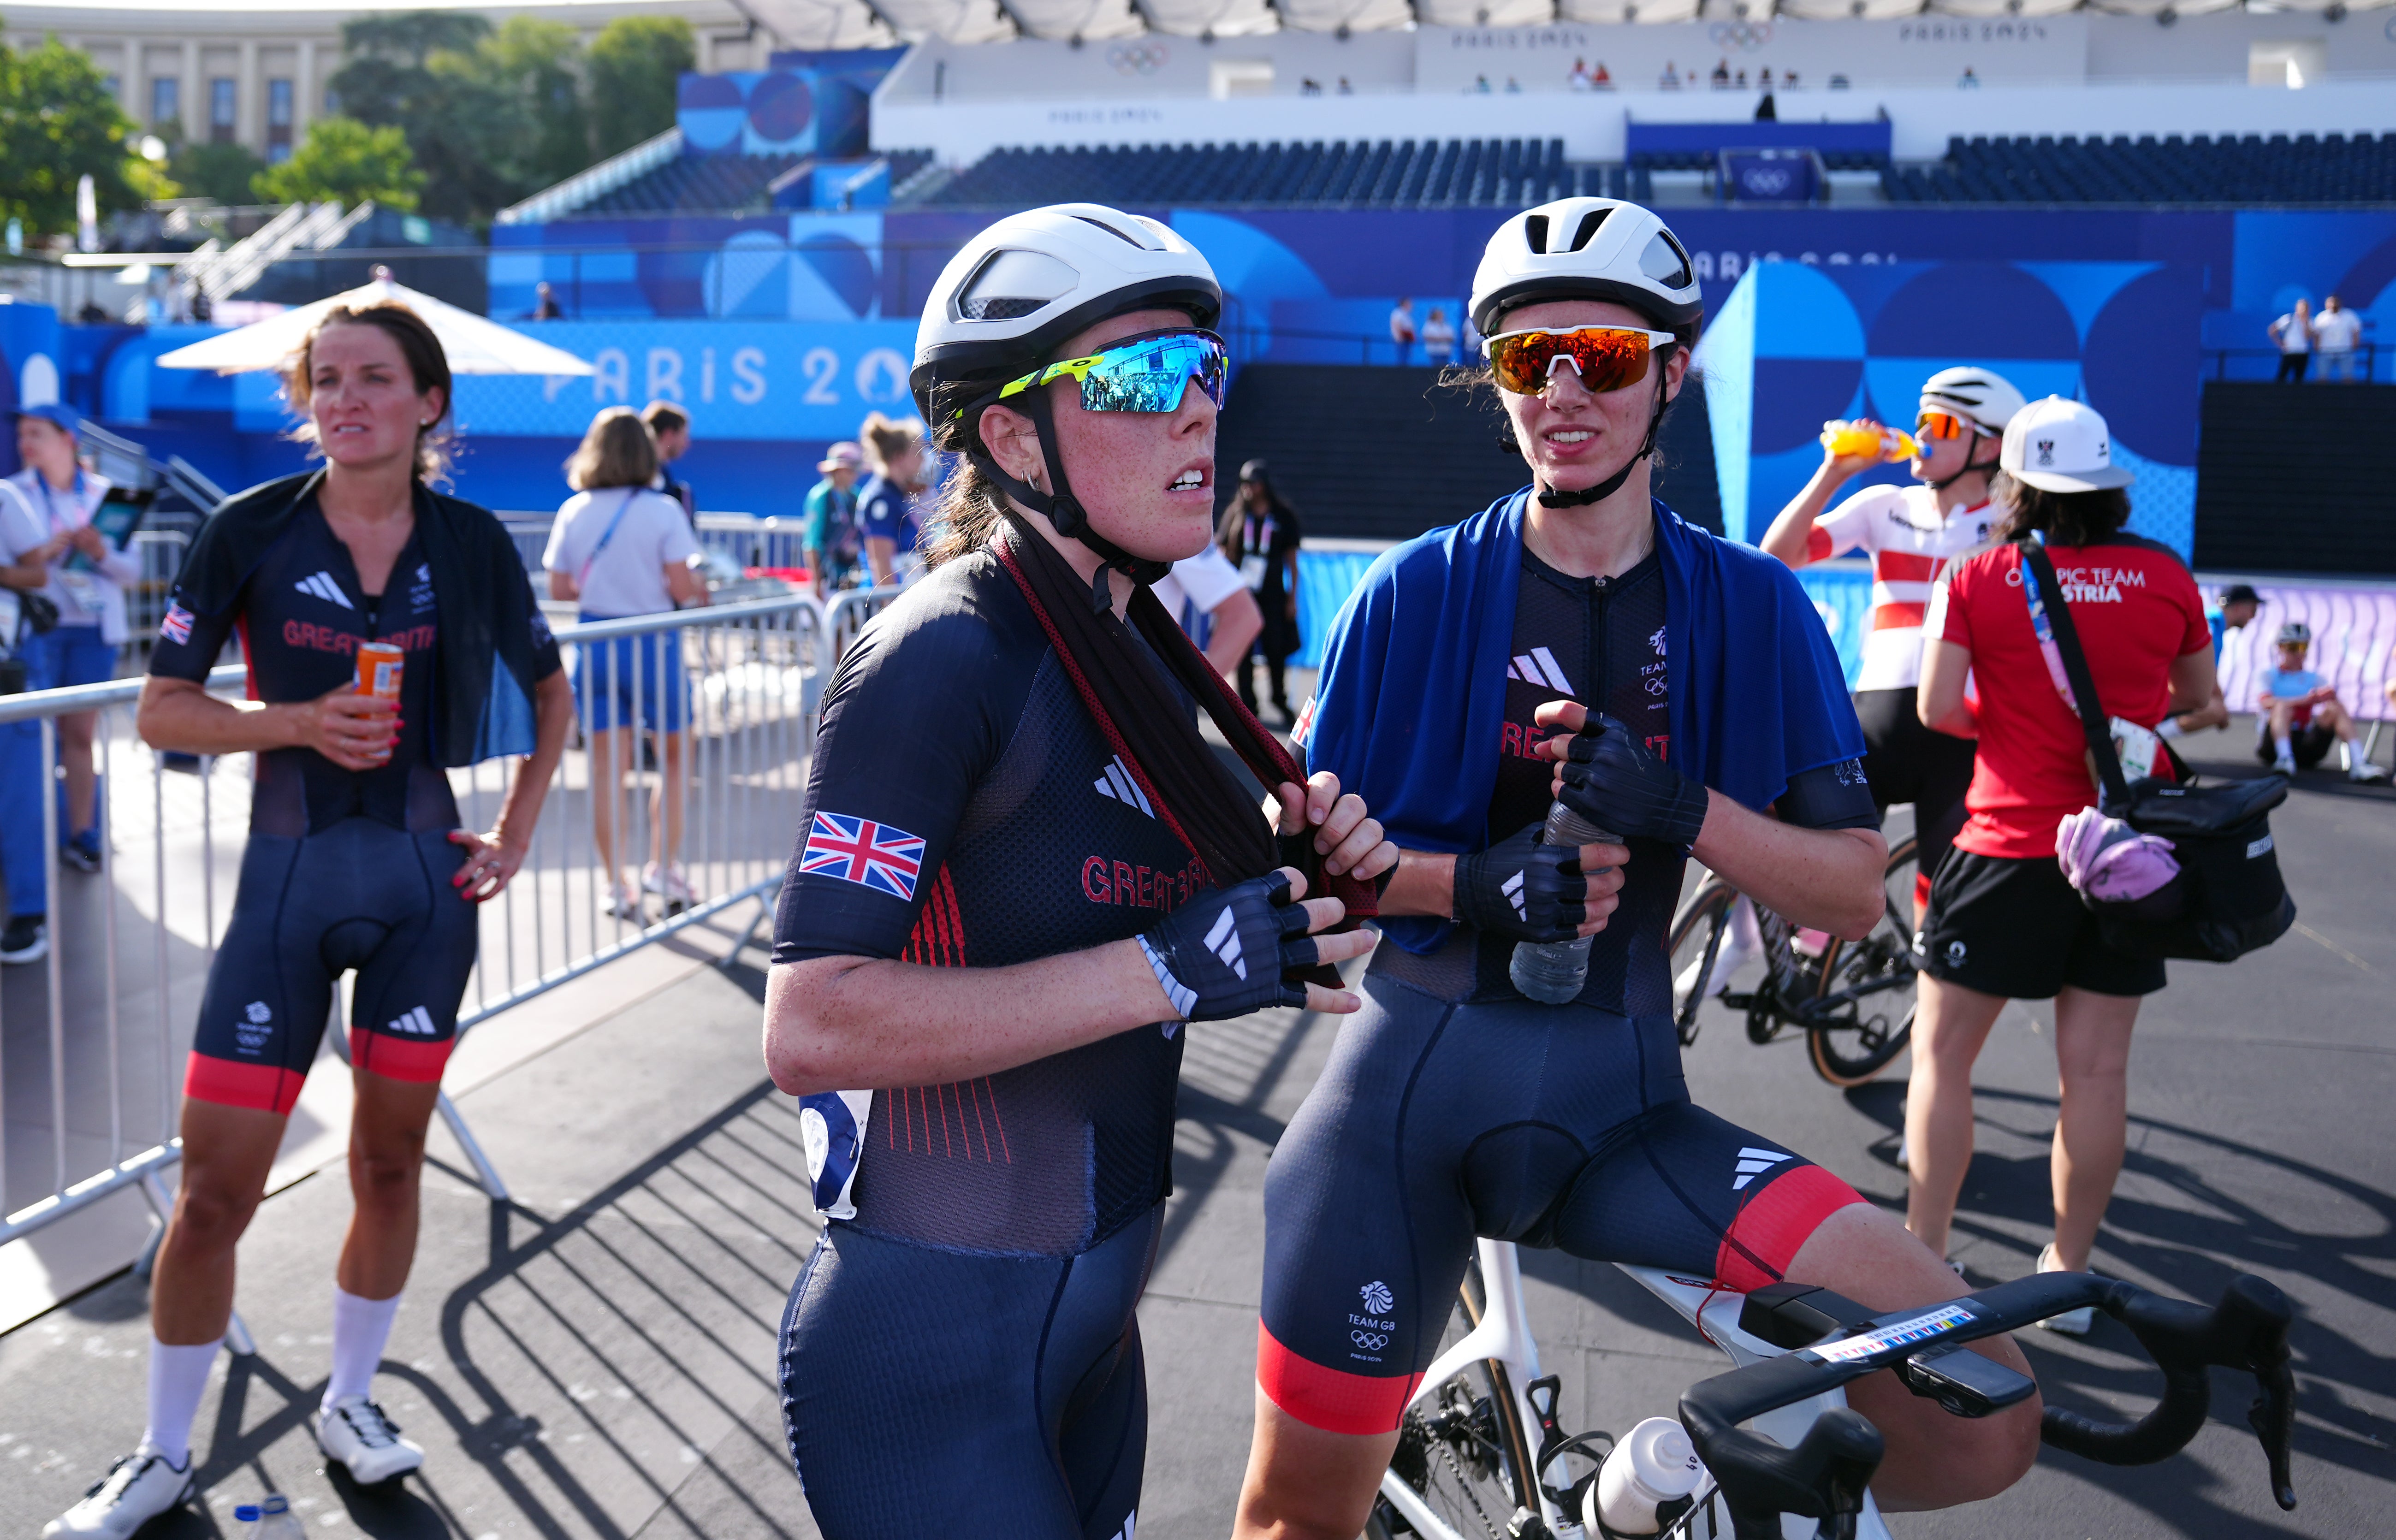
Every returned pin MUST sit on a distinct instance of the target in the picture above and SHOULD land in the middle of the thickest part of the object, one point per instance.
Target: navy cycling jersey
(300, 616)
(963, 811)
(1601, 642)
(882, 514)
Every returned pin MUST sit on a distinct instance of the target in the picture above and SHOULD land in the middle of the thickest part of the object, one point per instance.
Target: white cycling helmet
(1008, 302)
(1587, 249)
(1019, 289)
(1981, 395)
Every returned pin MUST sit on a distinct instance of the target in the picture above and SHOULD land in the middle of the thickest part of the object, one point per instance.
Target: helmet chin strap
(1970, 465)
(1551, 498)
(1064, 511)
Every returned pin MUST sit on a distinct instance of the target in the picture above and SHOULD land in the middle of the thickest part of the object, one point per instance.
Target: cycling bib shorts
(1035, 1412)
(1908, 763)
(360, 894)
(1438, 1120)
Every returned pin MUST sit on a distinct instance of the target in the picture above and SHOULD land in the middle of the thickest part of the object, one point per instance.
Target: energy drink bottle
(1845, 438)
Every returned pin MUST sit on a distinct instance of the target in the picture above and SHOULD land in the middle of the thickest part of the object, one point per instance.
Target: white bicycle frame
(1504, 1335)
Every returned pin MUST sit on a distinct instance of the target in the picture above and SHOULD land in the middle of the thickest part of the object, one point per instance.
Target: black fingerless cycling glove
(1227, 952)
(1523, 890)
(1615, 782)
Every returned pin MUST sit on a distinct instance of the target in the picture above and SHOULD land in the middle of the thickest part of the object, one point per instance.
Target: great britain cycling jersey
(1453, 1107)
(344, 868)
(963, 811)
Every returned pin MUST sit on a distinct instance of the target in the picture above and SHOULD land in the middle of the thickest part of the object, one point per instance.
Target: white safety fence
(93, 1040)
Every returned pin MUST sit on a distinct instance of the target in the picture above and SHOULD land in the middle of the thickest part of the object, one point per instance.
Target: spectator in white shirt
(620, 549)
(2293, 334)
(2336, 332)
(1438, 337)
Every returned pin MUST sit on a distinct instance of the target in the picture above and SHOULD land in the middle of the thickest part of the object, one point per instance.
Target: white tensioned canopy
(869, 23)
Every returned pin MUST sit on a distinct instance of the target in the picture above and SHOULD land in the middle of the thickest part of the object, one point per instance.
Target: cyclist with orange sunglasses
(1914, 533)
(1575, 641)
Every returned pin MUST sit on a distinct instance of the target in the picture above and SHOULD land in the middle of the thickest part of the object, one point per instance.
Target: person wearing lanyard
(86, 582)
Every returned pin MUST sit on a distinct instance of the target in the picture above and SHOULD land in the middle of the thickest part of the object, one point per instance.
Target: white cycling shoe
(136, 1490)
(355, 1431)
(2071, 1322)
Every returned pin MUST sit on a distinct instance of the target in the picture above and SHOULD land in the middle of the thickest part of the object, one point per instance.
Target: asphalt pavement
(595, 1357)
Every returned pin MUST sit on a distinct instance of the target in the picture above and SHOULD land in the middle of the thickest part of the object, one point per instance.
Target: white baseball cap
(2058, 446)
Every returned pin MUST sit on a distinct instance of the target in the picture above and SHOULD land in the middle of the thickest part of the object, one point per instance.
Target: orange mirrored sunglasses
(1942, 425)
(1606, 358)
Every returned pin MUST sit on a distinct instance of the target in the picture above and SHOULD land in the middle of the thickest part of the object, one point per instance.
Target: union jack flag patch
(860, 851)
(176, 626)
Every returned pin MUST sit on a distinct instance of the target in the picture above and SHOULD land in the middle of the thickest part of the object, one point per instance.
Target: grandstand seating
(721, 183)
(1406, 174)
(2306, 169)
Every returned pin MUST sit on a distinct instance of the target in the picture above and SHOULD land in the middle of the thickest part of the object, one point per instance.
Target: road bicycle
(1481, 1456)
(1852, 999)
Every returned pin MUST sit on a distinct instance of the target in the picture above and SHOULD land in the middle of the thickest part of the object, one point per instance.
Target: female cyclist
(1023, 870)
(1913, 534)
(883, 515)
(1697, 708)
(355, 859)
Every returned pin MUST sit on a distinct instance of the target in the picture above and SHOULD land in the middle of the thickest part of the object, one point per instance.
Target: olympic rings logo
(1374, 1340)
(1138, 57)
(1744, 35)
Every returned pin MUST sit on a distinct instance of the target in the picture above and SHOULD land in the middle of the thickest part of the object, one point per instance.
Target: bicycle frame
(1504, 1335)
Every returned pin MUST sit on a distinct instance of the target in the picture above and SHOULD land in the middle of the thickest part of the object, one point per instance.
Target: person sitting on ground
(2301, 716)
(2232, 611)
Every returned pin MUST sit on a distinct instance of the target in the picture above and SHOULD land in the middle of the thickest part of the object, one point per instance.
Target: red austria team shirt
(2137, 610)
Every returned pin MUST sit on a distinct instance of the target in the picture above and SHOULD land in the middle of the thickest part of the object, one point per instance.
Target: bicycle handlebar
(1824, 1476)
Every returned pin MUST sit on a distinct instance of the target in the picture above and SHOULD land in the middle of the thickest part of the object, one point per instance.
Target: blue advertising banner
(778, 380)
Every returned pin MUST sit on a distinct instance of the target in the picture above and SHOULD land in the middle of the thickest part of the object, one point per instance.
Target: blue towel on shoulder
(1412, 695)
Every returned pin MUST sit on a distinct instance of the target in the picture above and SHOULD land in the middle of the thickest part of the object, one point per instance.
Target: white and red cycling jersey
(1911, 543)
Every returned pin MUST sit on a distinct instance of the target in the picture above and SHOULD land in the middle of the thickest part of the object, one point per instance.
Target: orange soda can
(379, 666)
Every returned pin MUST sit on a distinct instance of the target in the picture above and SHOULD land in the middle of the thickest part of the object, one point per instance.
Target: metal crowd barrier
(117, 997)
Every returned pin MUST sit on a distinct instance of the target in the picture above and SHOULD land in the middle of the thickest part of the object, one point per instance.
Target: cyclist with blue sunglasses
(1022, 871)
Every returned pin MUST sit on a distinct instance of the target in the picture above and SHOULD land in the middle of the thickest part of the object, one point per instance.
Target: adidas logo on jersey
(1224, 942)
(1754, 1163)
(416, 1023)
(1116, 781)
(1539, 666)
(1512, 888)
(320, 585)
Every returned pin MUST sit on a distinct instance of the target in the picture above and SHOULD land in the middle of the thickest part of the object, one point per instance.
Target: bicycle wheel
(1462, 1446)
(1864, 1003)
(1699, 937)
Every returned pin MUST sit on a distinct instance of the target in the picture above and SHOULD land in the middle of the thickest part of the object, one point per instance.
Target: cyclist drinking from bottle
(1022, 870)
(1912, 533)
(1575, 639)
(354, 859)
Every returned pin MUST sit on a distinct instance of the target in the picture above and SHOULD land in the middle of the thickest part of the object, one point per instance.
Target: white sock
(2280, 748)
(360, 1329)
(179, 1376)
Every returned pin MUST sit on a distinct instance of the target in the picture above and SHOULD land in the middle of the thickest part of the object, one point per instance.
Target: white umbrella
(474, 345)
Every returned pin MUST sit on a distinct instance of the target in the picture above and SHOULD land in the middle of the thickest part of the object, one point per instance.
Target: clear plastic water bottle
(1654, 1464)
(1551, 972)
(271, 1519)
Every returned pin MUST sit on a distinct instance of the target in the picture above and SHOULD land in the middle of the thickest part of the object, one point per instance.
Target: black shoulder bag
(2229, 898)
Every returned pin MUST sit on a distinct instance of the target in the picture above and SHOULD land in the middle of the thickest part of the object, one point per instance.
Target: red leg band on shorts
(1921, 892)
(398, 1059)
(1775, 1223)
(229, 1083)
(1332, 1399)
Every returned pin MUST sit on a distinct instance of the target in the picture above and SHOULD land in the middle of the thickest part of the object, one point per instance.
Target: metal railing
(130, 946)
(2264, 364)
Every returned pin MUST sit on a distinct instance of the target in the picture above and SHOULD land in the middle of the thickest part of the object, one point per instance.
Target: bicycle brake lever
(1824, 1477)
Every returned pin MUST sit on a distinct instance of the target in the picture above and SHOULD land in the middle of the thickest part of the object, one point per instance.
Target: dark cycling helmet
(1006, 305)
(2296, 633)
(1590, 248)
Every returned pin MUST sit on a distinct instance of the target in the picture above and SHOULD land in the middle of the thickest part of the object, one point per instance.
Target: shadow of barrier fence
(644, 833)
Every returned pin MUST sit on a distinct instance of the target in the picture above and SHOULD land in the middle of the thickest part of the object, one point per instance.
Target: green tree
(348, 163)
(219, 171)
(58, 124)
(635, 63)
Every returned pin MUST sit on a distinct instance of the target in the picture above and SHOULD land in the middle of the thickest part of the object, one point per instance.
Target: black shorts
(1907, 763)
(2014, 927)
(359, 894)
(2310, 744)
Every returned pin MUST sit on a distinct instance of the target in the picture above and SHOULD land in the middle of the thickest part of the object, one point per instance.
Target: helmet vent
(1588, 231)
(1535, 232)
(1125, 236)
(1014, 284)
(1665, 262)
